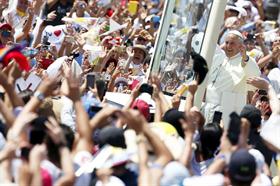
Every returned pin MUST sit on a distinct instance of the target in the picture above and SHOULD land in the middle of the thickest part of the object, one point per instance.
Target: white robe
(227, 88)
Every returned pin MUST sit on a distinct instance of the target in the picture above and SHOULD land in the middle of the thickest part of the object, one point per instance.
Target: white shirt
(68, 114)
(274, 78)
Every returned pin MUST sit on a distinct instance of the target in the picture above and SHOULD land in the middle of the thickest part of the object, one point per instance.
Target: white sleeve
(67, 115)
(251, 70)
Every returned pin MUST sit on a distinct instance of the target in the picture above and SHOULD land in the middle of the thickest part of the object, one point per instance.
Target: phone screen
(234, 128)
(217, 117)
(2, 95)
(90, 80)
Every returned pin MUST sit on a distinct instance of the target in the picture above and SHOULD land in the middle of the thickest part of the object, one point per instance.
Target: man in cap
(227, 89)
(242, 168)
(6, 34)
(136, 60)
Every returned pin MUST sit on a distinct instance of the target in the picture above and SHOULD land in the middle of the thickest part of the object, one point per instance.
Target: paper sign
(31, 83)
(114, 26)
(53, 69)
(83, 21)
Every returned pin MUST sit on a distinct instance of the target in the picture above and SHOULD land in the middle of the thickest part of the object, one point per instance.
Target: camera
(45, 43)
(82, 5)
(45, 47)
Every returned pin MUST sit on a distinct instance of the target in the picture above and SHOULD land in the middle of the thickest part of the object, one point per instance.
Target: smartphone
(251, 36)
(262, 92)
(90, 80)
(217, 117)
(95, 109)
(146, 88)
(45, 40)
(234, 128)
(24, 153)
(2, 96)
(132, 7)
(195, 30)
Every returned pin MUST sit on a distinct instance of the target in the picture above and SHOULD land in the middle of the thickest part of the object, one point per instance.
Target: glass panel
(186, 30)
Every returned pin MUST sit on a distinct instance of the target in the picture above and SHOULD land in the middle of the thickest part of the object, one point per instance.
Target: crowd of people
(59, 60)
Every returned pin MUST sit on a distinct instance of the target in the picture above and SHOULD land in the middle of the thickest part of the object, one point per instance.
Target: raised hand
(55, 131)
(129, 52)
(188, 126)
(48, 87)
(258, 82)
(72, 90)
(193, 87)
(134, 119)
(51, 16)
(242, 50)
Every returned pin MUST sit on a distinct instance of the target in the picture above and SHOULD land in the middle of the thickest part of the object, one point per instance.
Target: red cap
(13, 52)
(143, 107)
(5, 25)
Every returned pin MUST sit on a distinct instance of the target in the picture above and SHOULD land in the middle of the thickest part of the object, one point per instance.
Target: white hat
(240, 10)
(243, 3)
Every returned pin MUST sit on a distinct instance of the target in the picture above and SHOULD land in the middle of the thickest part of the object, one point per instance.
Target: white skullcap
(237, 33)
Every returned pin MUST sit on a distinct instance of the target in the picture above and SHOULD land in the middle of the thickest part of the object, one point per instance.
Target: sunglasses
(5, 33)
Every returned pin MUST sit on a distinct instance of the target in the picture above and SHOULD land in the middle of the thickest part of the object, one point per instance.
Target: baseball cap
(113, 136)
(242, 167)
(5, 25)
(253, 115)
(170, 137)
(120, 80)
(143, 107)
(173, 117)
